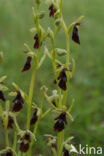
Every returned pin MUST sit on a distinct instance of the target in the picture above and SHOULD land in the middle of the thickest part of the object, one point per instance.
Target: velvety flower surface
(66, 152)
(36, 44)
(2, 96)
(27, 65)
(62, 80)
(8, 153)
(10, 122)
(75, 35)
(34, 118)
(52, 10)
(60, 123)
(24, 145)
(18, 102)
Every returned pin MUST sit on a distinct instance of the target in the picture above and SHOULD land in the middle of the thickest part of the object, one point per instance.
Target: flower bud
(33, 30)
(58, 22)
(41, 14)
(60, 52)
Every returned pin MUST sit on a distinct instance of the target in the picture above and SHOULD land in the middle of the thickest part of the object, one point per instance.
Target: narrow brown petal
(52, 10)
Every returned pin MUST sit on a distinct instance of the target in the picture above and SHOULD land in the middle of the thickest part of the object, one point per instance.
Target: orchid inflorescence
(63, 73)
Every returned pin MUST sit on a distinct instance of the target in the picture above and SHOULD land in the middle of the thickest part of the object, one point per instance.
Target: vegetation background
(87, 87)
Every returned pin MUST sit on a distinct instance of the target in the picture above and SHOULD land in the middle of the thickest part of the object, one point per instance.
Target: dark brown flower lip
(2, 96)
(24, 147)
(25, 142)
(34, 117)
(75, 34)
(18, 102)
(59, 126)
(52, 10)
(10, 122)
(36, 44)
(66, 152)
(7, 153)
(60, 123)
(27, 65)
(62, 80)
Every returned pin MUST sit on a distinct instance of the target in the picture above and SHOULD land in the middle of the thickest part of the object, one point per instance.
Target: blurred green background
(87, 86)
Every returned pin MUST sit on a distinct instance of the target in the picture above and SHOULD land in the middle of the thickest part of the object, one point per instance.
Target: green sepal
(73, 24)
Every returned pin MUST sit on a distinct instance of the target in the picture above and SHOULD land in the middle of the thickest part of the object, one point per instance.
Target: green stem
(61, 8)
(30, 96)
(54, 65)
(67, 65)
(54, 152)
(33, 75)
(60, 137)
(60, 140)
(15, 141)
(6, 137)
(32, 89)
